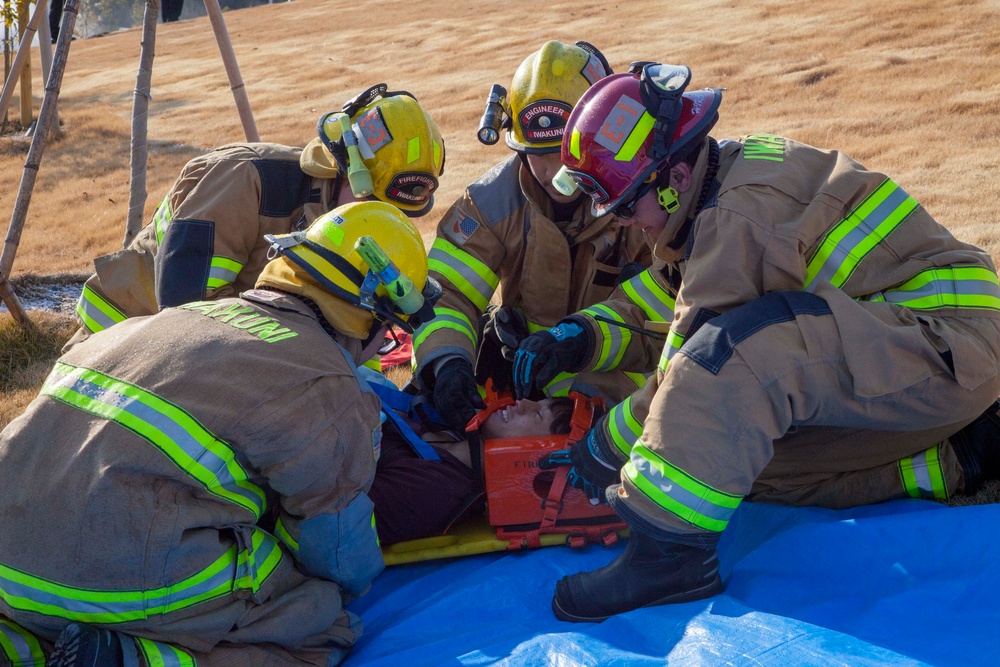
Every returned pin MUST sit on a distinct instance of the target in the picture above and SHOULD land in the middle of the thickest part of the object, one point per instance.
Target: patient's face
(525, 418)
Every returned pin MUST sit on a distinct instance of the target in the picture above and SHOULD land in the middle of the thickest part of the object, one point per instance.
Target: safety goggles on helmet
(402, 298)
(388, 147)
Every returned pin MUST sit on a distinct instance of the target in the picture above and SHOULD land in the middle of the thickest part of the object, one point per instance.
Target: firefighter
(199, 477)
(512, 226)
(833, 345)
(206, 240)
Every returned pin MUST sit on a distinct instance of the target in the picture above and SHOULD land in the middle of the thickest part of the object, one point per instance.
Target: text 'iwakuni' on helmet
(363, 263)
(542, 94)
(387, 146)
(628, 126)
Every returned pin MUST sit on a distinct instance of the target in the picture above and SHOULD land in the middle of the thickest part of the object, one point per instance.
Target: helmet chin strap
(706, 186)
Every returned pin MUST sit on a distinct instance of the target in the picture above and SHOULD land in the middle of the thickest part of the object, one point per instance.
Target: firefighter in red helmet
(832, 344)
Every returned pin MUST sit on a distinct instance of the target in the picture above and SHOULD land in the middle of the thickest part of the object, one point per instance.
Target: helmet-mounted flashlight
(492, 120)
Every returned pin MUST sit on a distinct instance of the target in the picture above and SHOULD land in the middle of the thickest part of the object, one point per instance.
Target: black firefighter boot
(81, 645)
(977, 447)
(646, 574)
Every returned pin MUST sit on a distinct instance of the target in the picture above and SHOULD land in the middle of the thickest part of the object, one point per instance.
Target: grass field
(910, 87)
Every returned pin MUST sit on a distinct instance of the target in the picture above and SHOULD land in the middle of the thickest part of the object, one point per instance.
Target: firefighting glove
(589, 473)
(456, 396)
(544, 354)
(501, 328)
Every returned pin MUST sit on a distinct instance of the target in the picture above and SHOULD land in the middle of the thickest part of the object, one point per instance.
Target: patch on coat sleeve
(461, 230)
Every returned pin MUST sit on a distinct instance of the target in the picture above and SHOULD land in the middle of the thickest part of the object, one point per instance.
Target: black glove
(501, 328)
(589, 473)
(544, 354)
(456, 396)
(506, 325)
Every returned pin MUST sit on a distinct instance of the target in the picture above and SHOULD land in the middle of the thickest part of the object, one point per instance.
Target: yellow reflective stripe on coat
(623, 427)
(286, 537)
(26, 592)
(96, 312)
(947, 287)
(922, 475)
(656, 302)
(560, 385)
(20, 647)
(473, 278)
(159, 654)
(678, 493)
(614, 339)
(445, 318)
(222, 272)
(670, 347)
(161, 219)
(850, 240)
(171, 429)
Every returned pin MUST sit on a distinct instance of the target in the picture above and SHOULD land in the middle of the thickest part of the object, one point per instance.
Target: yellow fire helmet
(387, 146)
(363, 263)
(544, 91)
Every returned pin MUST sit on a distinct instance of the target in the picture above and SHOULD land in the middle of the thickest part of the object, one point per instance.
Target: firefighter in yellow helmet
(206, 240)
(552, 255)
(200, 477)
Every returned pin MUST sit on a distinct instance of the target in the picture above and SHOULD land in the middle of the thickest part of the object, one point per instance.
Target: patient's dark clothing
(416, 497)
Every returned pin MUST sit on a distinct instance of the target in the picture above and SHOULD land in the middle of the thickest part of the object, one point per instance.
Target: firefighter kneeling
(163, 456)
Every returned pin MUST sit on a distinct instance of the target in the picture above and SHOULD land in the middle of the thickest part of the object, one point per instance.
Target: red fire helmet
(608, 146)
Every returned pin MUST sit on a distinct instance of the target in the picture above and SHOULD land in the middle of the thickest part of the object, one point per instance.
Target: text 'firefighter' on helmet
(368, 257)
(543, 92)
(628, 126)
(387, 146)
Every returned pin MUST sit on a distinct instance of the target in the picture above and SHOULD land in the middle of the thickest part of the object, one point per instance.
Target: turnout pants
(300, 622)
(762, 402)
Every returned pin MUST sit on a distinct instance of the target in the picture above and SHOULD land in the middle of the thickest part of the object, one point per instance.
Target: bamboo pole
(140, 114)
(232, 69)
(45, 48)
(23, 49)
(25, 37)
(34, 160)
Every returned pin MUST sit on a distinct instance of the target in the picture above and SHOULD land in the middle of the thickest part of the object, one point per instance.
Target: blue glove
(544, 354)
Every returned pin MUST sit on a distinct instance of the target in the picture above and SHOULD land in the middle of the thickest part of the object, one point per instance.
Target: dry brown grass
(910, 87)
(26, 356)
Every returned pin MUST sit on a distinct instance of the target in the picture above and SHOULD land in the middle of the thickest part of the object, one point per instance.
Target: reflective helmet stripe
(678, 493)
(183, 439)
(922, 476)
(473, 278)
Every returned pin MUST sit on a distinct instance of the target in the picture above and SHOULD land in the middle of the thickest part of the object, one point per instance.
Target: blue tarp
(900, 583)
